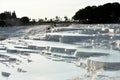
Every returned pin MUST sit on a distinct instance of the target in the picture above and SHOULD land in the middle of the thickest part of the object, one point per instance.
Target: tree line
(8, 18)
(107, 13)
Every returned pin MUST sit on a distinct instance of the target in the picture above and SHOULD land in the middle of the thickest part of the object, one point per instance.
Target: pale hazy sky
(47, 8)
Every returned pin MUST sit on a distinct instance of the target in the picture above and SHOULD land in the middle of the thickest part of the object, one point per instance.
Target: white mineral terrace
(62, 34)
(37, 55)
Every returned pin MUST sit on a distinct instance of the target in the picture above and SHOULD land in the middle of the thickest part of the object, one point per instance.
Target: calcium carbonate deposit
(75, 52)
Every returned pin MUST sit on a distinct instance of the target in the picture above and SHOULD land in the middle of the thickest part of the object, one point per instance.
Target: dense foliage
(24, 20)
(107, 13)
(10, 19)
(7, 18)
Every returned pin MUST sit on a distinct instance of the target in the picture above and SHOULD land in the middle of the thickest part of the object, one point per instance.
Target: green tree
(3, 16)
(65, 18)
(25, 20)
(14, 15)
(107, 13)
(2, 23)
(40, 20)
(46, 19)
(33, 21)
(57, 19)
